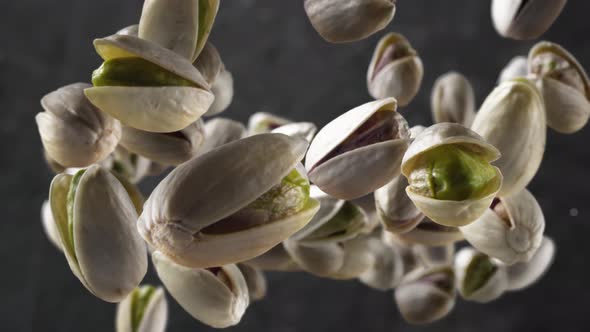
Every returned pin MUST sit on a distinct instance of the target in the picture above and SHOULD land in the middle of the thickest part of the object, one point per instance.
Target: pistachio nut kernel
(346, 223)
(479, 272)
(139, 300)
(144, 310)
(552, 65)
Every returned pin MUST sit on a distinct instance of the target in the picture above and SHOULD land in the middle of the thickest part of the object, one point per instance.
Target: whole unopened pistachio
(511, 229)
(144, 310)
(96, 221)
(359, 151)
(49, 225)
(564, 84)
(74, 133)
(480, 278)
(395, 209)
(146, 86)
(304, 130)
(512, 118)
(430, 233)
(255, 280)
(263, 122)
(426, 294)
(449, 173)
(340, 21)
(387, 269)
(202, 217)
(523, 274)
(453, 99)
(216, 296)
(435, 255)
(525, 19)
(517, 67)
(220, 131)
(395, 70)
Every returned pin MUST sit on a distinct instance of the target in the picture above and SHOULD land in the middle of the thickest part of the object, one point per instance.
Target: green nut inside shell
(140, 299)
(134, 71)
(349, 219)
(477, 274)
(70, 207)
(452, 172)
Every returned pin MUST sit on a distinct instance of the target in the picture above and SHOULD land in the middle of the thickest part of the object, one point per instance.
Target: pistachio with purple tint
(525, 19)
(480, 278)
(144, 310)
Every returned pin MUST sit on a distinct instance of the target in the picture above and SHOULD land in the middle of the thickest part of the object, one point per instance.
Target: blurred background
(280, 65)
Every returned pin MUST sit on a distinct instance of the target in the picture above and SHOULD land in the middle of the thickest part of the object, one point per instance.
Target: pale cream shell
(154, 317)
(533, 20)
(387, 269)
(264, 122)
(517, 67)
(395, 209)
(453, 99)
(306, 130)
(255, 280)
(219, 131)
(223, 89)
(276, 259)
(524, 274)
(49, 225)
(495, 286)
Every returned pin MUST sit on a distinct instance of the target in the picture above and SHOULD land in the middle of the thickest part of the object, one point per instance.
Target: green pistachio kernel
(135, 72)
(349, 219)
(139, 301)
(451, 172)
(70, 206)
(478, 272)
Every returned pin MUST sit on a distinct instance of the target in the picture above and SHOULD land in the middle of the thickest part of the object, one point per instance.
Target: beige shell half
(329, 207)
(155, 314)
(429, 233)
(453, 99)
(223, 89)
(220, 131)
(209, 63)
(395, 209)
(524, 274)
(517, 67)
(255, 280)
(522, 19)
(49, 225)
(306, 130)
(493, 288)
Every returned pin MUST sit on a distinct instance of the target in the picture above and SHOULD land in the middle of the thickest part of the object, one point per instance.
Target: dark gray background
(280, 65)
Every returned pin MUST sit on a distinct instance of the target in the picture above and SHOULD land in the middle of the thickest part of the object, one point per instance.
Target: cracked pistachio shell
(517, 67)
(480, 278)
(186, 216)
(395, 209)
(96, 221)
(450, 212)
(263, 122)
(511, 230)
(305, 130)
(565, 89)
(395, 70)
(182, 26)
(223, 89)
(220, 131)
(255, 280)
(525, 19)
(426, 295)
(359, 151)
(435, 255)
(453, 99)
(524, 274)
(165, 148)
(74, 132)
(144, 310)
(131, 30)
(151, 108)
(276, 259)
(387, 269)
(49, 225)
(217, 296)
(430, 233)
(347, 21)
(513, 117)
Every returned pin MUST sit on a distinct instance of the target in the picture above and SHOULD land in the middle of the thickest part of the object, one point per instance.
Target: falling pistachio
(263, 122)
(524, 274)
(255, 280)
(480, 278)
(209, 63)
(220, 131)
(304, 130)
(525, 19)
(144, 310)
(435, 255)
(49, 225)
(453, 99)
(517, 67)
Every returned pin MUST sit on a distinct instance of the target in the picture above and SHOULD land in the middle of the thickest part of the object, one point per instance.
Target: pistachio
(132, 30)
(129, 165)
(49, 225)
(435, 255)
(223, 89)
(395, 70)
(255, 280)
(480, 278)
(369, 139)
(276, 259)
(517, 67)
(430, 233)
(525, 19)
(387, 269)
(92, 209)
(209, 63)
(74, 133)
(395, 209)
(262, 122)
(453, 99)
(52, 164)
(304, 130)
(144, 310)
(220, 131)
(524, 274)
(134, 71)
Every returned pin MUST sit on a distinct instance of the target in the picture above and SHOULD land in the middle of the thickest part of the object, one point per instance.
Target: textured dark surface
(280, 65)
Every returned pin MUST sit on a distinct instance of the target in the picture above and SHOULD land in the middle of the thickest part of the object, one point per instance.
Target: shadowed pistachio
(262, 122)
(525, 19)
(255, 280)
(524, 274)
(276, 259)
(96, 221)
(131, 30)
(480, 278)
(453, 99)
(449, 173)
(395, 209)
(430, 233)
(52, 164)
(49, 225)
(146, 86)
(511, 229)
(513, 117)
(201, 217)
(165, 148)
(209, 63)
(305, 130)
(387, 269)
(347, 21)
(130, 165)
(182, 26)
(426, 294)
(395, 70)
(517, 67)
(220, 131)
(564, 84)
(359, 151)
(216, 296)
(435, 255)
(223, 89)
(74, 133)
(144, 310)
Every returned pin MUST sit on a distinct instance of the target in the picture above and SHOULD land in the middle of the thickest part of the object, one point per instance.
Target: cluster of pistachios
(366, 197)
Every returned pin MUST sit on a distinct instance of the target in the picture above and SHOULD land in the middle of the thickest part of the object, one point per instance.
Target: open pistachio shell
(525, 19)
(517, 67)
(201, 217)
(49, 225)
(387, 269)
(263, 122)
(276, 259)
(96, 220)
(359, 151)
(511, 230)
(151, 108)
(564, 84)
(217, 296)
(500, 122)
(74, 132)
(453, 212)
(395, 70)
(435, 255)
(453, 99)
(430, 233)
(426, 294)
(144, 310)
(329, 207)
(304, 130)
(395, 209)
(347, 21)
(220, 131)
(524, 274)
(480, 278)
(255, 280)
(179, 25)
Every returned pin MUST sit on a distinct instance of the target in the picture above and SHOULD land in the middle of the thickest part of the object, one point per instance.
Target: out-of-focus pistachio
(435, 255)
(49, 225)
(220, 131)
(525, 19)
(524, 274)
(276, 259)
(387, 269)
(480, 278)
(129, 165)
(255, 280)
(453, 99)
(430, 233)
(304, 130)
(209, 63)
(263, 122)
(517, 67)
(132, 30)
(144, 310)
(395, 209)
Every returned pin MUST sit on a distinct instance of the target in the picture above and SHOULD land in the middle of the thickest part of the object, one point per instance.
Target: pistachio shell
(255, 280)
(153, 319)
(453, 99)
(209, 63)
(220, 131)
(345, 175)
(329, 207)
(196, 195)
(490, 281)
(129, 165)
(132, 30)
(49, 225)
(430, 233)
(517, 67)
(395, 209)
(263, 122)
(524, 274)
(515, 235)
(223, 89)
(387, 269)
(276, 259)
(346, 21)
(435, 255)
(522, 19)
(216, 298)
(304, 130)
(74, 133)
